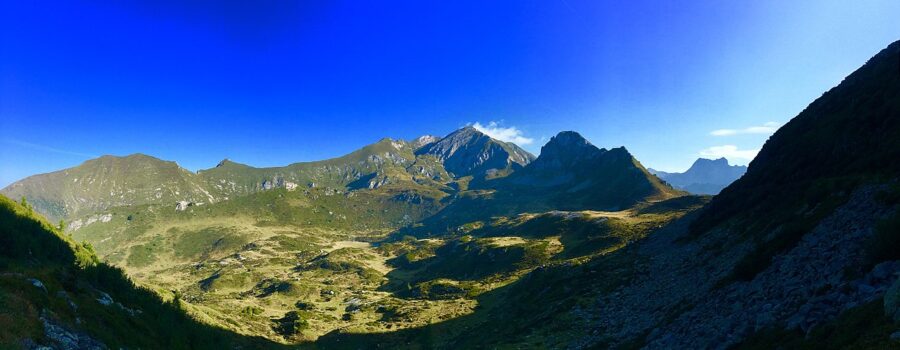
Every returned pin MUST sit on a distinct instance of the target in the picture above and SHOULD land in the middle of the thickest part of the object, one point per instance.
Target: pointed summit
(468, 151)
(566, 149)
(705, 176)
(573, 173)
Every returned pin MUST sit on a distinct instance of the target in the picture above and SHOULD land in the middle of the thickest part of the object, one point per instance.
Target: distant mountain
(574, 173)
(469, 152)
(705, 176)
(570, 174)
(109, 181)
(384, 162)
(426, 165)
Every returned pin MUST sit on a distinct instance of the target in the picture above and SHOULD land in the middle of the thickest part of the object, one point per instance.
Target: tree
(62, 226)
(25, 204)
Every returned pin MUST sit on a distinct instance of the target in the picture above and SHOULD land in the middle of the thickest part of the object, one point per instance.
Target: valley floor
(295, 284)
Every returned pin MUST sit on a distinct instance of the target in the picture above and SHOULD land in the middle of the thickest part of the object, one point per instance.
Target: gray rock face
(423, 141)
(182, 205)
(63, 338)
(470, 152)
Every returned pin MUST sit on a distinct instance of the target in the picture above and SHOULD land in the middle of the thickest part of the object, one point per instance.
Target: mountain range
(429, 166)
(469, 242)
(705, 176)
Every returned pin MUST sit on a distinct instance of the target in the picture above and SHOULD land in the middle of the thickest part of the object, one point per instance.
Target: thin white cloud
(509, 134)
(767, 128)
(731, 152)
(38, 147)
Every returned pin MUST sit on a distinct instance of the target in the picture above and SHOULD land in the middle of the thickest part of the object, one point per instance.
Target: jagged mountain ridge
(705, 176)
(570, 174)
(137, 179)
(392, 165)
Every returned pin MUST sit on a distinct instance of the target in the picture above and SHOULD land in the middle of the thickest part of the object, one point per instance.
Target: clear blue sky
(274, 82)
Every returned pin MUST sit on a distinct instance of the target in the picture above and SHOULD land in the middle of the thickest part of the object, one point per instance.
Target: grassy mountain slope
(55, 292)
(109, 181)
(374, 165)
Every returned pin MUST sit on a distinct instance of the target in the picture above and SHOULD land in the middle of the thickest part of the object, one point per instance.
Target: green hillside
(107, 182)
(55, 292)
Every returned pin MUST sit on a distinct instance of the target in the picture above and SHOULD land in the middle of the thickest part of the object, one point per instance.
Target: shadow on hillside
(536, 301)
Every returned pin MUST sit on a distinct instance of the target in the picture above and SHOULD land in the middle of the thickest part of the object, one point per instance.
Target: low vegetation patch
(207, 241)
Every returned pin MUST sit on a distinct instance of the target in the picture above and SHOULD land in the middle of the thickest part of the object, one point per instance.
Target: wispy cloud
(505, 134)
(43, 148)
(731, 152)
(767, 128)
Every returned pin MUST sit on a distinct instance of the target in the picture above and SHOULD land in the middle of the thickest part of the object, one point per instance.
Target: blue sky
(273, 82)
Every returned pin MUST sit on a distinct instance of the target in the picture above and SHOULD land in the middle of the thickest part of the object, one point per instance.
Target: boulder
(38, 284)
(105, 299)
(182, 205)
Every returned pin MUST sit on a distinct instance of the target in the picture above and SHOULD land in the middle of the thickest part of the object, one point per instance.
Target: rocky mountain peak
(468, 151)
(703, 162)
(566, 149)
(423, 141)
(567, 139)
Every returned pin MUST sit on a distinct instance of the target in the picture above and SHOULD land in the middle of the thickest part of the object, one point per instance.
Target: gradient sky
(274, 82)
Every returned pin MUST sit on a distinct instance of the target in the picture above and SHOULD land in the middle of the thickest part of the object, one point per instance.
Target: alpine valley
(465, 241)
